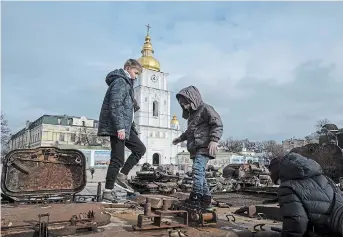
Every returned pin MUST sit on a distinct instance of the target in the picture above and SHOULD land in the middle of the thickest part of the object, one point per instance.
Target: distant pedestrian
(92, 170)
(204, 130)
(116, 121)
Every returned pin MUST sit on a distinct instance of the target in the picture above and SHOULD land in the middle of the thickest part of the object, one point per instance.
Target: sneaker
(122, 183)
(206, 203)
(109, 196)
(194, 199)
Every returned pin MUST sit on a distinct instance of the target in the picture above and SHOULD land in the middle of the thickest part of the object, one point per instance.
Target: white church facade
(156, 127)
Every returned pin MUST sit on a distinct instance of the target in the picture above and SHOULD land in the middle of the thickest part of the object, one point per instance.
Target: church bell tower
(151, 90)
(155, 126)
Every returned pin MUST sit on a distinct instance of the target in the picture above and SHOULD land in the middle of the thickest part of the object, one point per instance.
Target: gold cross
(148, 27)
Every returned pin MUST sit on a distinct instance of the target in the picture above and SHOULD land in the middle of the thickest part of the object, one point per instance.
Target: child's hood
(118, 73)
(295, 166)
(192, 94)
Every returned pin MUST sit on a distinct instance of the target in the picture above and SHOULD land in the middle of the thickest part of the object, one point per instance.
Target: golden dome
(147, 60)
(174, 121)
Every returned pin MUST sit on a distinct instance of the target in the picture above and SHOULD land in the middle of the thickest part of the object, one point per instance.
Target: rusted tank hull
(43, 171)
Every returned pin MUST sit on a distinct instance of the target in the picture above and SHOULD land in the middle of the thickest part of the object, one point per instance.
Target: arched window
(155, 108)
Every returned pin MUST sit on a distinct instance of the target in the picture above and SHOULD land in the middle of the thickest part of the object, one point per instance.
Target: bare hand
(176, 141)
(212, 148)
(121, 134)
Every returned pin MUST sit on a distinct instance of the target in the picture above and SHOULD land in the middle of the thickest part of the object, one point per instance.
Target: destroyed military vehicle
(186, 183)
(328, 152)
(247, 175)
(215, 182)
(330, 134)
(155, 180)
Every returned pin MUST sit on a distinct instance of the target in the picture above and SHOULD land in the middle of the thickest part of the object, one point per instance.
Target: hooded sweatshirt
(307, 198)
(118, 105)
(204, 123)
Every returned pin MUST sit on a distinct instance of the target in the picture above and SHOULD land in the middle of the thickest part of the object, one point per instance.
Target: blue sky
(271, 69)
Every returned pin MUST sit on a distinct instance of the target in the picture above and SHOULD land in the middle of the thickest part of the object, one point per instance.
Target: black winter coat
(204, 123)
(118, 105)
(308, 199)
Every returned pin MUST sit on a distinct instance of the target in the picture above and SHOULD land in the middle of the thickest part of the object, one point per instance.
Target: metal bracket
(158, 223)
(43, 225)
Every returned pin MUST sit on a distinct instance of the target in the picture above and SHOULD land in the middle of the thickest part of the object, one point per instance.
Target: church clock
(154, 78)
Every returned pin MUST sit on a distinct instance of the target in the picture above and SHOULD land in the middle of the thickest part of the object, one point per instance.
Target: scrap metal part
(196, 213)
(250, 228)
(156, 201)
(159, 180)
(161, 219)
(83, 222)
(63, 219)
(261, 212)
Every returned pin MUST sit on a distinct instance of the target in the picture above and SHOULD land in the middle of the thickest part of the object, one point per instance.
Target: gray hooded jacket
(204, 123)
(308, 199)
(117, 107)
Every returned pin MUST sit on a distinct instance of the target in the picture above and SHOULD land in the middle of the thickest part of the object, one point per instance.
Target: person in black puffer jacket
(310, 203)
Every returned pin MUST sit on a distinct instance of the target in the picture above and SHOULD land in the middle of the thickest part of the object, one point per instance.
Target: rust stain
(53, 176)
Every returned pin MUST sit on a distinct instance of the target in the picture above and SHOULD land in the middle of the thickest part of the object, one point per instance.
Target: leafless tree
(259, 146)
(312, 138)
(273, 149)
(320, 123)
(5, 135)
(231, 145)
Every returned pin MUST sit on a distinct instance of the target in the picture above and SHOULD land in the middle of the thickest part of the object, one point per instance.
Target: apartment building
(289, 144)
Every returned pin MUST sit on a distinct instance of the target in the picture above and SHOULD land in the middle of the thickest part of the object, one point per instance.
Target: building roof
(47, 119)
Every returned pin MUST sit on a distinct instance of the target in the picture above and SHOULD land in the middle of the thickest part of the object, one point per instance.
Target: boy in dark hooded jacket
(310, 203)
(116, 121)
(204, 130)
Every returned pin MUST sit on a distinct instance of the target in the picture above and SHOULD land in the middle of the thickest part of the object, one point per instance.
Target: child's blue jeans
(199, 179)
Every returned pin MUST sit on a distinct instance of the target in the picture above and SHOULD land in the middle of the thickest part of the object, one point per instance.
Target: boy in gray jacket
(204, 130)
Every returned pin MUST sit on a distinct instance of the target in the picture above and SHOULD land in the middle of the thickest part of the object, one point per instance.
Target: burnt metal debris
(248, 175)
(234, 177)
(48, 177)
(155, 180)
